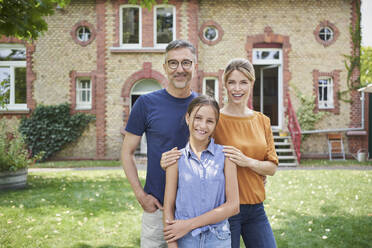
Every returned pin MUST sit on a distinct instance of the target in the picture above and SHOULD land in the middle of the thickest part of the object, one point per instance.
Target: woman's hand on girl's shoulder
(169, 158)
(236, 156)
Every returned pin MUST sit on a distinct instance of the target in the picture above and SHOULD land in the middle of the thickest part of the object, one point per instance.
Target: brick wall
(244, 23)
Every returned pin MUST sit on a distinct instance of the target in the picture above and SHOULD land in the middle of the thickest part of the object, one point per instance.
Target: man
(160, 115)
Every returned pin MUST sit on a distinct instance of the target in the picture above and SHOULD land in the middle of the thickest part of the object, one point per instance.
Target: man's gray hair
(180, 44)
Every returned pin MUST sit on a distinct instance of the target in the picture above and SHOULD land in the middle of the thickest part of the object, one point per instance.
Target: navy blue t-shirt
(162, 117)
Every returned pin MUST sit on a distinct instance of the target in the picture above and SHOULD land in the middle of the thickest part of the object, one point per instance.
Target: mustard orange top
(252, 135)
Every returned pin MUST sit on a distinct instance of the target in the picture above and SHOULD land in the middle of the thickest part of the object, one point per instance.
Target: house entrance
(267, 91)
(142, 87)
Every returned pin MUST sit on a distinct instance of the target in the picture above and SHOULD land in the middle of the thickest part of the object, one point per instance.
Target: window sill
(14, 111)
(83, 108)
(356, 133)
(137, 50)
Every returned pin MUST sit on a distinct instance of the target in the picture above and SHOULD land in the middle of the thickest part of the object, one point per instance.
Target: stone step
(284, 150)
(288, 164)
(286, 157)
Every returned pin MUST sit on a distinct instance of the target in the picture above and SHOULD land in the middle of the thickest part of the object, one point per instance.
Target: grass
(78, 164)
(321, 208)
(326, 162)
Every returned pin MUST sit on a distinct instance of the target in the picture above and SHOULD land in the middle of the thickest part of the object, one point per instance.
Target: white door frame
(271, 62)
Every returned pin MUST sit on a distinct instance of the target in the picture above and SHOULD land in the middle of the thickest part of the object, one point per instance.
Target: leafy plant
(352, 61)
(366, 65)
(13, 150)
(50, 128)
(25, 19)
(306, 115)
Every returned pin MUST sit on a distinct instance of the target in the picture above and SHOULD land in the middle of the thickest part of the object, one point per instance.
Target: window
(83, 93)
(13, 77)
(210, 87)
(266, 56)
(83, 34)
(325, 94)
(164, 25)
(210, 33)
(130, 26)
(326, 34)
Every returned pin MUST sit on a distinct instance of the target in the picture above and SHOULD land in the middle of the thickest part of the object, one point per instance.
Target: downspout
(341, 129)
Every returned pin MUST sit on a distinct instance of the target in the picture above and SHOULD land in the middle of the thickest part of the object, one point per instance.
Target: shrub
(50, 128)
(13, 150)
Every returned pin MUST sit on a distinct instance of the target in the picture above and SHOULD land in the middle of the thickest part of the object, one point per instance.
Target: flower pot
(13, 179)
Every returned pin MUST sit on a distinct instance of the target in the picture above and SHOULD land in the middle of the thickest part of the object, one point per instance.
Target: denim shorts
(215, 237)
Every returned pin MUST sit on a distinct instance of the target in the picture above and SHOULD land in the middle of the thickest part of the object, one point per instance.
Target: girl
(201, 189)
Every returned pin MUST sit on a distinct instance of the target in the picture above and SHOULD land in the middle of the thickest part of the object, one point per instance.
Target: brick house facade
(299, 43)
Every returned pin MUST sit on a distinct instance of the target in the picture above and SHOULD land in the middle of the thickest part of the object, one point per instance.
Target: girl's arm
(178, 228)
(170, 198)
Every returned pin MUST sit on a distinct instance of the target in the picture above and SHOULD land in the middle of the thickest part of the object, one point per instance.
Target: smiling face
(238, 87)
(202, 121)
(180, 77)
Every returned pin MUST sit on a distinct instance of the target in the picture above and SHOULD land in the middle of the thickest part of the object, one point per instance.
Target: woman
(248, 142)
(201, 190)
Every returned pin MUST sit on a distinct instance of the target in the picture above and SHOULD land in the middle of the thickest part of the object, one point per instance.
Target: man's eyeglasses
(173, 64)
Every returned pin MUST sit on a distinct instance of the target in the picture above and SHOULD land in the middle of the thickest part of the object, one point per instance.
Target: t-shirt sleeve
(270, 149)
(137, 118)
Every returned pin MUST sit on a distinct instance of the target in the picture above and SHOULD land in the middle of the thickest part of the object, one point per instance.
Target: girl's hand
(236, 156)
(176, 229)
(169, 158)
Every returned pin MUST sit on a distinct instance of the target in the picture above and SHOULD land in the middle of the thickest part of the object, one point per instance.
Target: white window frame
(85, 37)
(267, 61)
(327, 31)
(12, 65)
(139, 45)
(329, 104)
(163, 45)
(216, 85)
(81, 105)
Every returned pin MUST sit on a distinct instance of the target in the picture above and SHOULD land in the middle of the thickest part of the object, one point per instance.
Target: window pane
(83, 34)
(83, 96)
(130, 25)
(164, 25)
(20, 85)
(209, 87)
(272, 55)
(14, 54)
(5, 83)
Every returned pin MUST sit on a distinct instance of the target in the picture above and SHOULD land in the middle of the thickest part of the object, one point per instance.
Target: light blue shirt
(201, 184)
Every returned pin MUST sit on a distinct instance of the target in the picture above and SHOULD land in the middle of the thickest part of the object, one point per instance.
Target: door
(266, 93)
(142, 87)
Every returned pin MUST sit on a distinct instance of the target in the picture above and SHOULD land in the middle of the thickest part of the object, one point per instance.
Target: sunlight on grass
(99, 209)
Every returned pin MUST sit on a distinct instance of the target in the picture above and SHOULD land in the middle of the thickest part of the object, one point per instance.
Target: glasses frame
(182, 64)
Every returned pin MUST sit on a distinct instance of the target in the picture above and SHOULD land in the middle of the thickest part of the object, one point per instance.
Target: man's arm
(148, 202)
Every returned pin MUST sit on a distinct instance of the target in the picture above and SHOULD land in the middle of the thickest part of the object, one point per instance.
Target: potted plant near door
(14, 159)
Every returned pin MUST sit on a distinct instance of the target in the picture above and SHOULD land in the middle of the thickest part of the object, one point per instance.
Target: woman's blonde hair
(242, 65)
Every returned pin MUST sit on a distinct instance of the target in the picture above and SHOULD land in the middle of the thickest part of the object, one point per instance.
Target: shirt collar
(211, 148)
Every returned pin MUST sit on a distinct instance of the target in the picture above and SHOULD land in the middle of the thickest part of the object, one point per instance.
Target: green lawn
(98, 209)
(326, 163)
